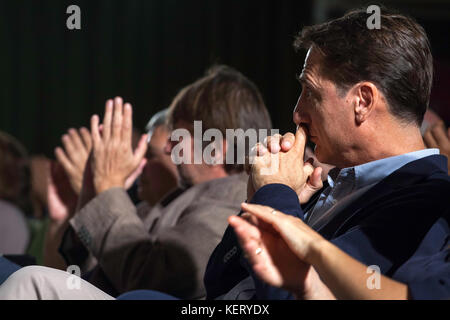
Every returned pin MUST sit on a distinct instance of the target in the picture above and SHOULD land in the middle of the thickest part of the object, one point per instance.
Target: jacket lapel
(409, 174)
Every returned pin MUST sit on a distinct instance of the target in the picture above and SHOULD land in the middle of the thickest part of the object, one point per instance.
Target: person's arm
(172, 261)
(347, 278)
(63, 189)
(282, 250)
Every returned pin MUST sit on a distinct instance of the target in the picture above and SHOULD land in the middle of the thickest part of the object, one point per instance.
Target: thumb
(308, 169)
(315, 180)
(313, 184)
(141, 149)
(135, 174)
(300, 141)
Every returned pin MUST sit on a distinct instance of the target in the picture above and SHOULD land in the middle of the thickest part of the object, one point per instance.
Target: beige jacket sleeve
(173, 262)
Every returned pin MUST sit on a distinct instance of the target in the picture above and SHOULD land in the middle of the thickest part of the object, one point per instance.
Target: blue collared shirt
(346, 185)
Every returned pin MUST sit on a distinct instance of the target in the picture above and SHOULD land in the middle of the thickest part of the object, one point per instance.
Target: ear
(224, 150)
(220, 153)
(366, 98)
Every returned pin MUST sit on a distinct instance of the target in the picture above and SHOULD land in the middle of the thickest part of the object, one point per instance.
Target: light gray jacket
(169, 248)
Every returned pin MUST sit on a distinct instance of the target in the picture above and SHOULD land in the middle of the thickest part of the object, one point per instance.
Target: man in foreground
(364, 94)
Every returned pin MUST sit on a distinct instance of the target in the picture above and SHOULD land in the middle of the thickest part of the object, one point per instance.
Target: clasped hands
(280, 159)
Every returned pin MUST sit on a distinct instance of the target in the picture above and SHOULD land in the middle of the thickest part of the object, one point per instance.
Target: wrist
(316, 251)
(105, 185)
(314, 288)
(56, 227)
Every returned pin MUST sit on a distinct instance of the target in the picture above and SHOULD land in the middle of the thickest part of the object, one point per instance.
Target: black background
(53, 78)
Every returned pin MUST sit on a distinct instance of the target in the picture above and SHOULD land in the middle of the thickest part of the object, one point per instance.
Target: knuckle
(289, 136)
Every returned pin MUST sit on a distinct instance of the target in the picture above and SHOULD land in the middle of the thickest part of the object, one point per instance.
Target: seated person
(363, 110)
(438, 136)
(157, 177)
(382, 200)
(169, 254)
(14, 232)
(14, 196)
(7, 268)
(285, 252)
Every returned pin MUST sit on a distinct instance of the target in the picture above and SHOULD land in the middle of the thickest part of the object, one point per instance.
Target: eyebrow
(300, 77)
(304, 81)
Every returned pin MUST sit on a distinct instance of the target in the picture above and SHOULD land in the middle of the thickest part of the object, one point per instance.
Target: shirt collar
(372, 172)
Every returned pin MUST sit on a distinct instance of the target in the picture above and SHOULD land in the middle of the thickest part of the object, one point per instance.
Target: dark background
(53, 78)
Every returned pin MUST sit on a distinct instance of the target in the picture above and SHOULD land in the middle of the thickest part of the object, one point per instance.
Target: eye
(307, 92)
(149, 155)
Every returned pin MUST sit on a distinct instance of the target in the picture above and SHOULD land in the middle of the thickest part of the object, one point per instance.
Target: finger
(244, 230)
(249, 245)
(116, 132)
(250, 219)
(258, 150)
(308, 169)
(96, 139)
(439, 134)
(313, 184)
(76, 139)
(257, 254)
(253, 249)
(300, 141)
(87, 139)
(134, 175)
(141, 167)
(272, 143)
(264, 213)
(429, 139)
(63, 160)
(141, 149)
(69, 146)
(287, 141)
(107, 120)
(127, 129)
(315, 180)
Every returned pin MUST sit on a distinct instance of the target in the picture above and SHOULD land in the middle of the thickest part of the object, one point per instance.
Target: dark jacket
(383, 227)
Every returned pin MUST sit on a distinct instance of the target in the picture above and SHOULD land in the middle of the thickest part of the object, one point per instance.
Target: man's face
(160, 174)
(190, 173)
(326, 116)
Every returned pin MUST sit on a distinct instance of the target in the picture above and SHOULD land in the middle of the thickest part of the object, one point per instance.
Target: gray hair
(157, 120)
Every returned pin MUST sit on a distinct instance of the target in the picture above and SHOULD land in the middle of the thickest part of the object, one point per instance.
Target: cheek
(156, 172)
(332, 120)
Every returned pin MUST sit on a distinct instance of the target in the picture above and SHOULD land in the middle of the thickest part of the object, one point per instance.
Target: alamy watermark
(208, 147)
(374, 21)
(73, 282)
(374, 280)
(73, 22)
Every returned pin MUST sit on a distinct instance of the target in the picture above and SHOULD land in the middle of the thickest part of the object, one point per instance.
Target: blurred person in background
(171, 254)
(158, 177)
(14, 196)
(436, 134)
(169, 251)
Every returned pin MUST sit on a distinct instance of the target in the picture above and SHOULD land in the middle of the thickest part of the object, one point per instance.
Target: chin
(320, 156)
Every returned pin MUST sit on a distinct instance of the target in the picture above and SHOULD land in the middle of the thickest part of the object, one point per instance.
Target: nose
(168, 147)
(299, 115)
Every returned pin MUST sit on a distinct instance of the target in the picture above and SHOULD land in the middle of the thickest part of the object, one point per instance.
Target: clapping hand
(113, 159)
